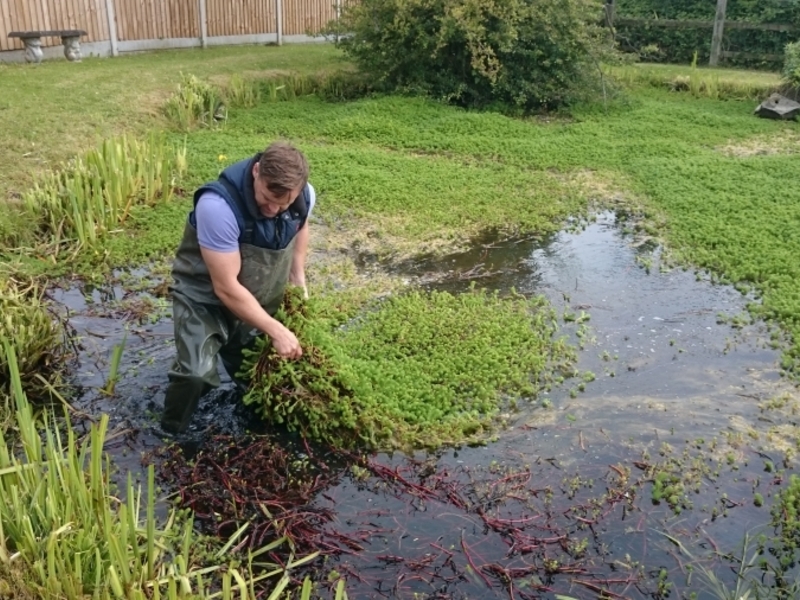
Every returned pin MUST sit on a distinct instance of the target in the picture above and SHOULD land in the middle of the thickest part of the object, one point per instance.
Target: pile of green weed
(421, 369)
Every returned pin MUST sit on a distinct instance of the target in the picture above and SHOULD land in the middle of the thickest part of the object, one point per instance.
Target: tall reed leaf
(66, 535)
(92, 196)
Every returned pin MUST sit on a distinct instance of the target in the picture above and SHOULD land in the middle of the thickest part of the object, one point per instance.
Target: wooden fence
(717, 26)
(115, 26)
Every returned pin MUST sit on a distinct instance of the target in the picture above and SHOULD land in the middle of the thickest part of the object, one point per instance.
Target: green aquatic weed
(419, 369)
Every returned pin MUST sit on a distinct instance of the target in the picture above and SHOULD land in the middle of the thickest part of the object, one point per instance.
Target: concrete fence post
(279, 20)
(203, 24)
(716, 37)
(112, 27)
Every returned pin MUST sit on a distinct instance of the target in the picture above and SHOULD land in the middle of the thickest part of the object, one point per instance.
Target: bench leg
(72, 48)
(33, 50)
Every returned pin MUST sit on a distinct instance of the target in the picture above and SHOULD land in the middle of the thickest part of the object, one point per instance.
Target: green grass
(648, 71)
(55, 110)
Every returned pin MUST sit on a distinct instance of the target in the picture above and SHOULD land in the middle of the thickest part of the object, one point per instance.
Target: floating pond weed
(419, 369)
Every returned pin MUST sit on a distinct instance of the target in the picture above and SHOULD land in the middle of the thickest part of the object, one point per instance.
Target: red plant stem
(619, 471)
(445, 550)
(472, 564)
(597, 588)
(497, 522)
(394, 474)
(526, 475)
(713, 543)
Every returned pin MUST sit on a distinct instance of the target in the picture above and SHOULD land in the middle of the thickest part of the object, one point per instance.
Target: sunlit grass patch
(780, 142)
(701, 82)
(109, 97)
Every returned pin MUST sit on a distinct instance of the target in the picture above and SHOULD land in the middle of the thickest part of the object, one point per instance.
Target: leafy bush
(526, 54)
(791, 64)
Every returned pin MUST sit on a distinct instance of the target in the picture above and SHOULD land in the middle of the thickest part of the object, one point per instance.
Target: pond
(642, 480)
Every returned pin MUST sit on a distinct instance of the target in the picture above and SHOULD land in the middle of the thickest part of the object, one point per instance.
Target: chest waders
(205, 328)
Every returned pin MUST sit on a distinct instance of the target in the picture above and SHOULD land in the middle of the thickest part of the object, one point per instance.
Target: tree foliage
(527, 54)
(791, 64)
(680, 44)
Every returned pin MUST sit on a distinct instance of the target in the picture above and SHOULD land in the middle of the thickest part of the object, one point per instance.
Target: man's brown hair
(283, 167)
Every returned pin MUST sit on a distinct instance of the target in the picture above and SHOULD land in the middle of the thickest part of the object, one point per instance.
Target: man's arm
(224, 268)
(297, 276)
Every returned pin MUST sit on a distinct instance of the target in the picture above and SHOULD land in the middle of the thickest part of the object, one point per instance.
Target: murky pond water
(671, 380)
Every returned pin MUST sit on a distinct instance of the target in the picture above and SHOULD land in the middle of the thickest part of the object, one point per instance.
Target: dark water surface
(667, 371)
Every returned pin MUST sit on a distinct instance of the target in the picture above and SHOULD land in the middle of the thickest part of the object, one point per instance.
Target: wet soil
(674, 379)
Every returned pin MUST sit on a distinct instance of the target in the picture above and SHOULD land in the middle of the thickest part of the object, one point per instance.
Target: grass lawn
(55, 110)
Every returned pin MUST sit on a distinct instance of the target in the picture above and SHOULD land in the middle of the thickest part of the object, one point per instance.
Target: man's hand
(285, 342)
(223, 268)
(301, 283)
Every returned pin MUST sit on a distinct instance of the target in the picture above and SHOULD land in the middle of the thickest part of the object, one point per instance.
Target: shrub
(791, 64)
(528, 54)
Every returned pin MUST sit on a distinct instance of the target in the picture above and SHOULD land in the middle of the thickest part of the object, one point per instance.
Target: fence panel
(157, 19)
(242, 17)
(38, 15)
(302, 16)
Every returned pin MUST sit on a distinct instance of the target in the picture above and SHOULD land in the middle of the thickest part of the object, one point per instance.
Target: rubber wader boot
(200, 332)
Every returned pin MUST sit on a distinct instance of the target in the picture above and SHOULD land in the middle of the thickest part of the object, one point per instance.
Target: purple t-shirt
(217, 228)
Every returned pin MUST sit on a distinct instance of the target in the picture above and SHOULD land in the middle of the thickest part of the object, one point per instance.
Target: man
(246, 239)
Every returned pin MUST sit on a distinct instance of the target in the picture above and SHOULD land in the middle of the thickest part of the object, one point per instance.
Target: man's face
(269, 204)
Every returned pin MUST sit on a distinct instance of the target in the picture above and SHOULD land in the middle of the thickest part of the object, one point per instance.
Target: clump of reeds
(93, 196)
(194, 103)
(65, 533)
(34, 335)
(331, 86)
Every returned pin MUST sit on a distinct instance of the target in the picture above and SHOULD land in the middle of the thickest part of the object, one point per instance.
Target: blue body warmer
(235, 185)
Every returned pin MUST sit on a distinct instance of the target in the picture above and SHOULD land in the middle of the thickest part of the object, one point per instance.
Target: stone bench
(71, 38)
